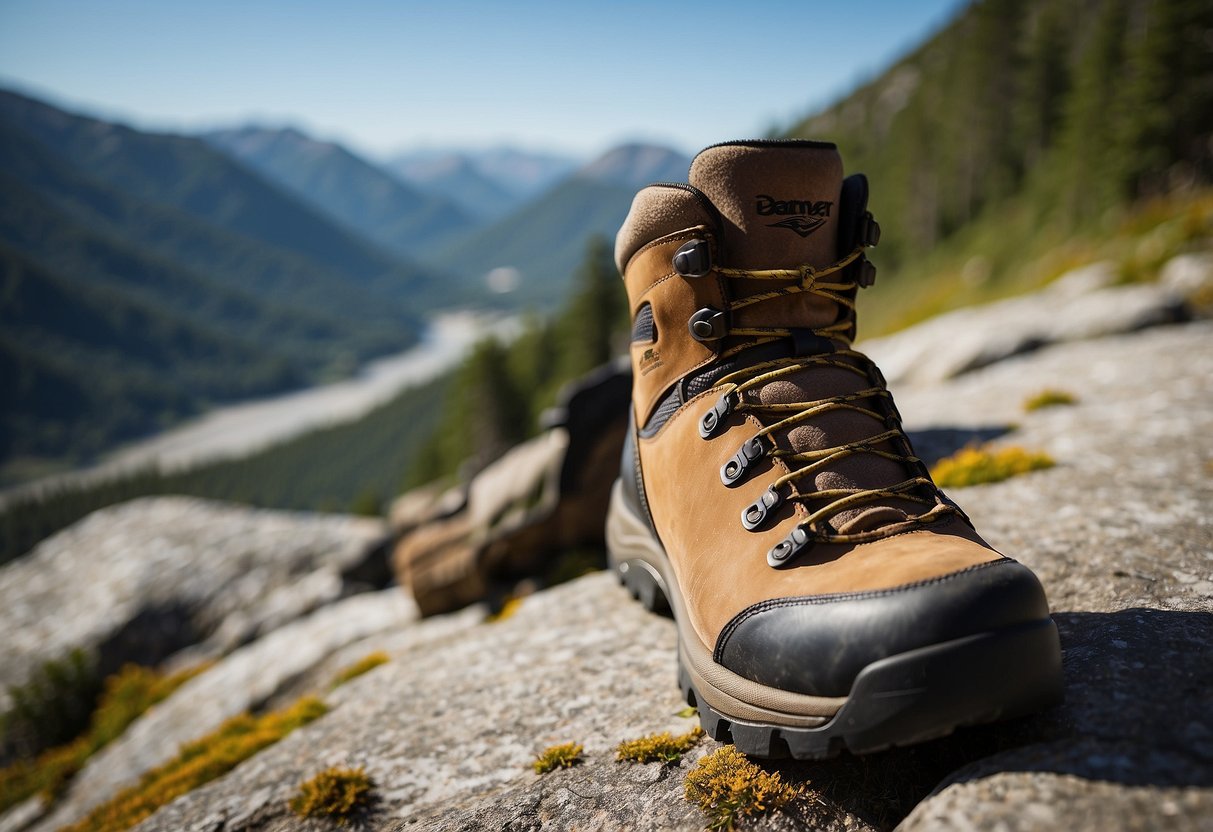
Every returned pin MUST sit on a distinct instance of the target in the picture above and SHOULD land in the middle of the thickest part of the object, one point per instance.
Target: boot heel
(633, 554)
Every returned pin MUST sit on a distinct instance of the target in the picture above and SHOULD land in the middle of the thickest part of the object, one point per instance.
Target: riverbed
(241, 429)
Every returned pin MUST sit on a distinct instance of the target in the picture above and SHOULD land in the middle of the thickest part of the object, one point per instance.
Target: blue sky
(385, 76)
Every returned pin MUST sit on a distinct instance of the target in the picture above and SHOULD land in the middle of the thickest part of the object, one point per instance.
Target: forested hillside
(1024, 127)
(498, 394)
(147, 277)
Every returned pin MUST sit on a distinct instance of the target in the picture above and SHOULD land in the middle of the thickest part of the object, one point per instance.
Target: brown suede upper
(721, 567)
(658, 364)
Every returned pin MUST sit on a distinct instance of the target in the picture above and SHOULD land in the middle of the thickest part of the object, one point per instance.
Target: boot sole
(900, 700)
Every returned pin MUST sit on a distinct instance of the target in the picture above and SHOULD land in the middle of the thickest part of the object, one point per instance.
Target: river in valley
(240, 429)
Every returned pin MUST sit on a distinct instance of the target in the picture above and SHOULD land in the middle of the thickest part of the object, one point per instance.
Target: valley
(242, 429)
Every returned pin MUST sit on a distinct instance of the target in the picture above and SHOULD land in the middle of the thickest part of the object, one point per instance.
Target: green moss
(364, 665)
(558, 756)
(658, 748)
(728, 787)
(198, 763)
(976, 465)
(335, 793)
(1049, 398)
(125, 696)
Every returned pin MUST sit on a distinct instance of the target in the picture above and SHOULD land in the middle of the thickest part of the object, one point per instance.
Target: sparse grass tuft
(335, 793)
(658, 748)
(125, 696)
(198, 763)
(558, 756)
(980, 464)
(1049, 397)
(728, 787)
(367, 663)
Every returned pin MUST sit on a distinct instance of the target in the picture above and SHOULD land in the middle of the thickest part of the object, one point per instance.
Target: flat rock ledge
(145, 579)
(1119, 532)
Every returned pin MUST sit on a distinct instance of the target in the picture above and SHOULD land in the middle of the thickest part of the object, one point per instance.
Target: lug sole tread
(868, 724)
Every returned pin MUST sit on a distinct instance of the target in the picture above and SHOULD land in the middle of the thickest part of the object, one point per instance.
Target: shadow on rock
(1139, 695)
(150, 636)
(933, 444)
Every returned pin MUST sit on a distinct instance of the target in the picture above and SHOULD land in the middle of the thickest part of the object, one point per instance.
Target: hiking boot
(827, 594)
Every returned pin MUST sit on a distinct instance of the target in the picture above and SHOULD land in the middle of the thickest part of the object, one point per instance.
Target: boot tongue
(778, 201)
(779, 206)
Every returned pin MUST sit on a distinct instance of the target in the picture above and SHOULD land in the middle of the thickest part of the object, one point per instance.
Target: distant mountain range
(468, 213)
(543, 241)
(488, 183)
(456, 177)
(636, 165)
(350, 190)
(148, 276)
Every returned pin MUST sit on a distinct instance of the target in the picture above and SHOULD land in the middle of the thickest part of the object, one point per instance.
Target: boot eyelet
(711, 421)
(869, 230)
(758, 512)
(708, 324)
(693, 259)
(735, 471)
(866, 273)
(783, 551)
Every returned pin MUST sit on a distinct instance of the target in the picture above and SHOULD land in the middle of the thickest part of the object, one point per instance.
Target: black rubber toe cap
(817, 645)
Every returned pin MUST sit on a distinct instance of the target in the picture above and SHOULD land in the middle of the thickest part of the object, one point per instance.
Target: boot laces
(873, 401)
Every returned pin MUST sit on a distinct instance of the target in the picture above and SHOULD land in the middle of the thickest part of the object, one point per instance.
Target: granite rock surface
(143, 580)
(1081, 305)
(1119, 531)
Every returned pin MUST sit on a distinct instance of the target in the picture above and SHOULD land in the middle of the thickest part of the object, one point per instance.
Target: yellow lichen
(728, 786)
(975, 465)
(557, 756)
(125, 696)
(366, 663)
(335, 793)
(197, 763)
(508, 608)
(1049, 397)
(658, 748)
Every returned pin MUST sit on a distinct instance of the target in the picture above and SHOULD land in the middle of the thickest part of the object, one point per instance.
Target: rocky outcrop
(1083, 304)
(1119, 532)
(245, 680)
(141, 581)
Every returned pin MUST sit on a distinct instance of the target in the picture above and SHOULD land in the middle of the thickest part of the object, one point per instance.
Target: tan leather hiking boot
(827, 594)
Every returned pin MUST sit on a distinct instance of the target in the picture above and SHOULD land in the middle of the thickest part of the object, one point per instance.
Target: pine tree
(1168, 94)
(1091, 154)
(595, 314)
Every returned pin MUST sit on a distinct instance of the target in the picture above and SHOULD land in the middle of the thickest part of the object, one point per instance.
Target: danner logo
(807, 215)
